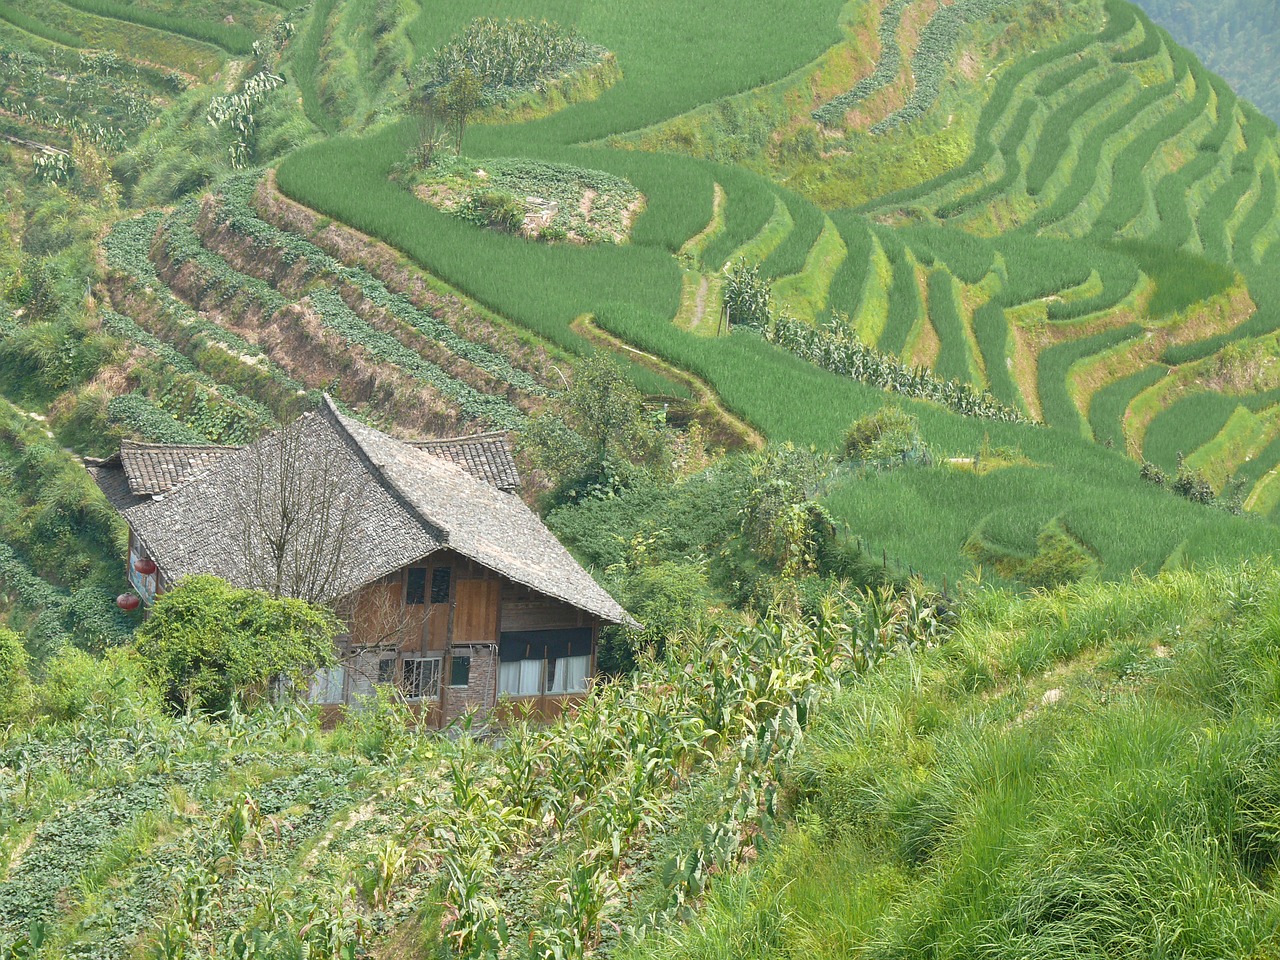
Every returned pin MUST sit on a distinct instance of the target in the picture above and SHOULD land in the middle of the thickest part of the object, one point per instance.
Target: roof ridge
(339, 420)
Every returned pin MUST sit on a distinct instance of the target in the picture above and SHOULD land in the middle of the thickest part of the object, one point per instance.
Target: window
(440, 584)
(534, 662)
(422, 678)
(327, 685)
(568, 674)
(415, 590)
(387, 670)
(460, 672)
(520, 678)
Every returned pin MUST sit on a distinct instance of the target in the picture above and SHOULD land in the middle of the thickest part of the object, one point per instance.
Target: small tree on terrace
(461, 100)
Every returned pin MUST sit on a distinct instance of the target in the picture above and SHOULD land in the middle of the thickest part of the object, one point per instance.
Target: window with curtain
(327, 685)
(520, 678)
(568, 674)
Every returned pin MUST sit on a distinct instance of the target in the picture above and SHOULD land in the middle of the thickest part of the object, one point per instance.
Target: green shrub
(666, 598)
(890, 435)
(75, 681)
(13, 676)
(207, 642)
(493, 208)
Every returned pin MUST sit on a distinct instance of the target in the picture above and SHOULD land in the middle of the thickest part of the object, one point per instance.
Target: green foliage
(1092, 747)
(889, 436)
(596, 429)
(73, 683)
(667, 598)
(493, 208)
(234, 38)
(210, 645)
(508, 55)
(13, 676)
(747, 298)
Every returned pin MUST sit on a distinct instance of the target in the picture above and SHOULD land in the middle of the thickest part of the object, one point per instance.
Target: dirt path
(723, 427)
(700, 307)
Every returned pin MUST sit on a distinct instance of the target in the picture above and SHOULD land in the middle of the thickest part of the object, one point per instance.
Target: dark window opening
(440, 585)
(460, 672)
(387, 670)
(422, 678)
(415, 591)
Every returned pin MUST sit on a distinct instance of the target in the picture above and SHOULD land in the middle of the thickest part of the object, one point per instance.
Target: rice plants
(1008, 150)
(1193, 421)
(1056, 138)
(1263, 212)
(1129, 191)
(954, 361)
(510, 54)
(1108, 405)
(234, 38)
(1084, 176)
(904, 294)
(806, 224)
(991, 329)
(1054, 367)
(304, 64)
(90, 31)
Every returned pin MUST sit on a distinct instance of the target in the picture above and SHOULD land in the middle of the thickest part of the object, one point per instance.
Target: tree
(599, 424)
(461, 100)
(430, 109)
(208, 643)
(298, 505)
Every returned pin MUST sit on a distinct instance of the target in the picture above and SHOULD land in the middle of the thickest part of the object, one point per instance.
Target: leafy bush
(13, 675)
(890, 435)
(207, 643)
(666, 598)
(75, 681)
(493, 208)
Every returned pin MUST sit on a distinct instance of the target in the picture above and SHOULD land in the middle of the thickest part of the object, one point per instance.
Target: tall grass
(948, 808)
(1107, 407)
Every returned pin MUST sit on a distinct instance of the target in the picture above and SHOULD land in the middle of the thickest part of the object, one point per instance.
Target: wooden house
(451, 587)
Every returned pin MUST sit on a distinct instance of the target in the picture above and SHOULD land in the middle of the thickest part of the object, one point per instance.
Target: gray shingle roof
(486, 456)
(153, 468)
(408, 503)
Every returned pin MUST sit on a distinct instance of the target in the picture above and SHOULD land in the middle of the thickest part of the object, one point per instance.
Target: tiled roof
(402, 502)
(158, 467)
(486, 456)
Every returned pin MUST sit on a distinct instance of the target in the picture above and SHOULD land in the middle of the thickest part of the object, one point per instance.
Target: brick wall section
(478, 694)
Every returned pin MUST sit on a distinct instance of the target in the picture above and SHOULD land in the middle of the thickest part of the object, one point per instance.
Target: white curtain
(520, 678)
(326, 685)
(570, 675)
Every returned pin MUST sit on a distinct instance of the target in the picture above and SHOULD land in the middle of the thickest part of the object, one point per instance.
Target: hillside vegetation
(1050, 206)
(1237, 39)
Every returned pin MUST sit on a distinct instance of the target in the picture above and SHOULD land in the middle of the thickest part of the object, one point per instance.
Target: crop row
(237, 212)
(933, 56)
(886, 71)
(220, 283)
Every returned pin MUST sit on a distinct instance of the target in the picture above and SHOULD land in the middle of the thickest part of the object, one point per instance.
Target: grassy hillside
(1087, 773)
(1111, 218)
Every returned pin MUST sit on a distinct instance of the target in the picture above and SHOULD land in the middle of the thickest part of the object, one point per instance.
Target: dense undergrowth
(1088, 772)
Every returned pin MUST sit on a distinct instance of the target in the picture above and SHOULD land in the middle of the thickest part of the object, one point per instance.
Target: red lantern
(128, 602)
(145, 566)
